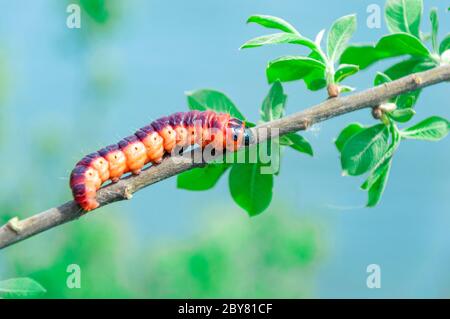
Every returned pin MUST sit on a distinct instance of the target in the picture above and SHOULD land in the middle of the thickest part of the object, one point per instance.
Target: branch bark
(16, 230)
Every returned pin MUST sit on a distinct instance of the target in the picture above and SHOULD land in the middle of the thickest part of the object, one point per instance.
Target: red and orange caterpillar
(149, 144)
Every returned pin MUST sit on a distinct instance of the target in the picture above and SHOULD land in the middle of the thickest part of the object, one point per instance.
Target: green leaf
(319, 37)
(375, 174)
(205, 99)
(20, 287)
(346, 133)
(339, 35)
(250, 189)
(404, 16)
(407, 100)
(316, 79)
(377, 179)
(407, 67)
(433, 128)
(364, 149)
(297, 142)
(278, 38)
(402, 115)
(445, 44)
(381, 78)
(398, 44)
(434, 29)
(389, 46)
(344, 71)
(362, 55)
(291, 68)
(273, 105)
(377, 188)
(272, 22)
(199, 179)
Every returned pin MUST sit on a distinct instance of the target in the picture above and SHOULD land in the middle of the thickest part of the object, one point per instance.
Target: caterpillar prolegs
(149, 144)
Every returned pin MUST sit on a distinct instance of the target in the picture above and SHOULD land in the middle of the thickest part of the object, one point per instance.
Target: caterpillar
(149, 144)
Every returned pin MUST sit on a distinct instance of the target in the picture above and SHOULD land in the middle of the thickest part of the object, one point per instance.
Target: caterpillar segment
(149, 144)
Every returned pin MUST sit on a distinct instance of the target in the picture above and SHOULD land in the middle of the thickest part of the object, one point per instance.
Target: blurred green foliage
(100, 15)
(96, 9)
(269, 256)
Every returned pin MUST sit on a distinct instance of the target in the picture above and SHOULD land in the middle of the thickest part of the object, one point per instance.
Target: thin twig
(16, 230)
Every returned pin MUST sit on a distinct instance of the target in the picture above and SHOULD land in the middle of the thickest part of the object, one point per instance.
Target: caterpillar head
(237, 134)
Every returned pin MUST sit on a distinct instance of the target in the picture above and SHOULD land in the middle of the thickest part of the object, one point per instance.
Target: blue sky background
(81, 89)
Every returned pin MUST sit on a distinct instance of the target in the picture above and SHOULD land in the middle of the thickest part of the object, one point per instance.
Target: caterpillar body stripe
(149, 144)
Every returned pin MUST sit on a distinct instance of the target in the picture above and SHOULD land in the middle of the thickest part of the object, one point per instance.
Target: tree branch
(16, 230)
